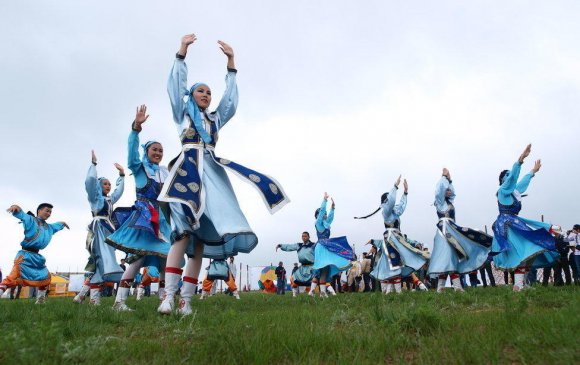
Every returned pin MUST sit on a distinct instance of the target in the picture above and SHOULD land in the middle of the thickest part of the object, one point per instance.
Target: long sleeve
(289, 247)
(506, 189)
(400, 208)
(177, 89)
(28, 222)
(94, 192)
(387, 207)
(229, 101)
(134, 162)
(56, 227)
(440, 194)
(329, 219)
(522, 186)
(320, 219)
(119, 189)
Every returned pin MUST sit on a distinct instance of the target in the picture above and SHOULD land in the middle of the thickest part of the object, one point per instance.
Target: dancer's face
(202, 97)
(155, 153)
(44, 213)
(448, 193)
(106, 186)
(305, 237)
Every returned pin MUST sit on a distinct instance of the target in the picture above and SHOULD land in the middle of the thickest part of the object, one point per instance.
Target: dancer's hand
(332, 206)
(14, 209)
(537, 166)
(141, 117)
(325, 195)
(446, 173)
(120, 168)
(229, 52)
(405, 186)
(526, 153)
(186, 40)
(93, 157)
(278, 246)
(64, 224)
(398, 181)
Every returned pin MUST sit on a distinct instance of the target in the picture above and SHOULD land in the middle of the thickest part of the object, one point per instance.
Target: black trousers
(486, 268)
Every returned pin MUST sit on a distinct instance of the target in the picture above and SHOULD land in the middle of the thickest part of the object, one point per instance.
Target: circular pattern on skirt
(255, 178)
(224, 161)
(273, 188)
(179, 187)
(193, 187)
(181, 172)
(191, 159)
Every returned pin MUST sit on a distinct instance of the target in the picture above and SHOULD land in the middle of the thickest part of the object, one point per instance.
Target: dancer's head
(576, 228)
(305, 237)
(44, 211)
(105, 186)
(201, 94)
(317, 212)
(384, 198)
(503, 175)
(154, 152)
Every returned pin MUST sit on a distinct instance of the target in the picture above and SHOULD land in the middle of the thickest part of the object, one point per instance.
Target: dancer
(29, 266)
(206, 218)
(519, 243)
(331, 255)
(456, 250)
(218, 269)
(304, 274)
(145, 233)
(397, 256)
(102, 261)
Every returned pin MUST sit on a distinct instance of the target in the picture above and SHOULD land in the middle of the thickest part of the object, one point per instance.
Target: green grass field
(482, 326)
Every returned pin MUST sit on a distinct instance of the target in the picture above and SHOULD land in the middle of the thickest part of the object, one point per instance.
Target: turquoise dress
(519, 241)
(455, 249)
(304, 274)
(202, 200)
(29, 265)
(145, 232)
(331, 255)
(102, 262)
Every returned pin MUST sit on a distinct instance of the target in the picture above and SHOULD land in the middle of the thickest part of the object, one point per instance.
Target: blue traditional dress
(331, 255)
(455, 249)
(29, 266)
(145, 232)
(396, 256)
(203, 203)
(304, 274)
(102, 262)
(519, 241)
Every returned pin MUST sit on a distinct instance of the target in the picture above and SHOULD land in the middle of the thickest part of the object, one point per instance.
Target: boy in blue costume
(29, 265)
(304, 274)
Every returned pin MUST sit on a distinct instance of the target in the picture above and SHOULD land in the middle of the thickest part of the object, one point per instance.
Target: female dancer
(456, 250)
(304, 274)
(102, 261)
(519, 243)
(331, 255)
(145, 233)
(29, 266)
(398, 257)
(205, 215)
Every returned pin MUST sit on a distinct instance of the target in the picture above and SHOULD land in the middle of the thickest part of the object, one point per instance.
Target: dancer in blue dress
(205, 215)
(29, 265)
(102, 265)
(456, 250)
(145, 233)
(331, 255)
(519, 243)
(304, 274)
(397, 256)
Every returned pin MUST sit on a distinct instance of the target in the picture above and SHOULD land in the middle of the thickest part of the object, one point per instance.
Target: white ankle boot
(120, 306)
(312, 289)
(422, 286)
(398, 287)
(40, 297)
(95, 296)
(80, 297)
(330, 289)
(390, 288)
(384, 287)
(294, 292)
(518, 282)
(188, 290)
(457, 285)
(441, 285)
(171, 284)
(236, 294)
(140, 292)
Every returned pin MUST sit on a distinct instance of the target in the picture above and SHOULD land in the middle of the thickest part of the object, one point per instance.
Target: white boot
(384, 287)
(95, 296)
(204, 294)
(2, 290)
(312, 289)
(330, 289)
(398, 287)
(441, 285)
(518, 282)
(82, 294)
(40, 297)
(171, 284)
(236, 294)
(120, 306)
(140, 292)
(456, 282)
(422, 286)
(390, 288)
(188, 290)
(294, 292)
(322, 289)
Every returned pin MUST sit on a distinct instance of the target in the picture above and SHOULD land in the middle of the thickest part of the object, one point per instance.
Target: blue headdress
(195, 115)
(100, 187)
(150, 168)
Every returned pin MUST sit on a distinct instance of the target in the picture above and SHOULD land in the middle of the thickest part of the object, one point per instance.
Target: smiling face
(155, 153)
(202, 96)
(105, 186)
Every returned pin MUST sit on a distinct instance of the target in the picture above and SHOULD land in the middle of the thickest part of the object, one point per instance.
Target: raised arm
(400, 208)
(388, 206)
(120, 185)
(524, 183)
(27, 220)
(177, 82)
(509, 184)
(229, 101)
(320, 219)
(92, 186)
(330, 217)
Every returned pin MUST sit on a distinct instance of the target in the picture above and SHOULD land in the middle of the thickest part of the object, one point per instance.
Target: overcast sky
(336, 96)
